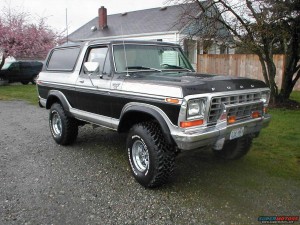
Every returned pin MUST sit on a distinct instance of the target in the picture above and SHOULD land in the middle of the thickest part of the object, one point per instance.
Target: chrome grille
(241, 106)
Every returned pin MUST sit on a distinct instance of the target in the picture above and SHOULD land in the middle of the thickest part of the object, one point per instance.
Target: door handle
(81, 81)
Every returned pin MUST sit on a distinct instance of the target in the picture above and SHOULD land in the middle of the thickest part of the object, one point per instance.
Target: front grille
(241, 106)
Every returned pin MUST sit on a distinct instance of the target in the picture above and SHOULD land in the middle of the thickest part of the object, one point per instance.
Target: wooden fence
(243, 65)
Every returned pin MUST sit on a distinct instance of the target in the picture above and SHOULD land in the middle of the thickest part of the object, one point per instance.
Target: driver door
(93, 89)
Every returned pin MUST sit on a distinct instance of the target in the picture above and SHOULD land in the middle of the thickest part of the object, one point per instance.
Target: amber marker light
(255, 114)
(265, 110)
(172, 100)
(185, 124)
(231, 119)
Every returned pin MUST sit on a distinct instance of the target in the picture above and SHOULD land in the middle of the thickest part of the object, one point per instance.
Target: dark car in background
(20, 71)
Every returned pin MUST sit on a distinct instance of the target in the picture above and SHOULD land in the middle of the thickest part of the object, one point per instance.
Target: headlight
(265, 97)
(196, 109)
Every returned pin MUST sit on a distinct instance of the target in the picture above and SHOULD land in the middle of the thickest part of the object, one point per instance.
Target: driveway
(90, 181)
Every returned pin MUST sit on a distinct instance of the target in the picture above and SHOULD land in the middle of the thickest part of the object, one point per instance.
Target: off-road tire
(64, 132)
(161, 154)
(234, 149)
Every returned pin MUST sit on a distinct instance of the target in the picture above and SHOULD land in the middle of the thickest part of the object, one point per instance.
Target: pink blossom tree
(22, 39)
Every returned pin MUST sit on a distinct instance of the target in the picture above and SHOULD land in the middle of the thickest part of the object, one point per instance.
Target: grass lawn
(19, 92)
(276, 151)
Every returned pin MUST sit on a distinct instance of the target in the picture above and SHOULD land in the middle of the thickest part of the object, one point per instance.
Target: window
(100, 55)
(135, 57)
(63, 59)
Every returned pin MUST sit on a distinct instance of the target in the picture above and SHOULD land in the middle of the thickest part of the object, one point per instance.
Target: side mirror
(91, 67)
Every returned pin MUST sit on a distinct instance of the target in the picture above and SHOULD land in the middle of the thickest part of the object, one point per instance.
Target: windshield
(149, 57)
(6, 65)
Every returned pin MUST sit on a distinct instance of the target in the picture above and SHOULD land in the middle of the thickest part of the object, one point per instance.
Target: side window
(15, 67)
(100, 55)
(63, 59)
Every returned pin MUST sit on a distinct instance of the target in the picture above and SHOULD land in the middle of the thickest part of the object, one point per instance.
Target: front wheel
(64, 129)
(235, 149)
(151, 158)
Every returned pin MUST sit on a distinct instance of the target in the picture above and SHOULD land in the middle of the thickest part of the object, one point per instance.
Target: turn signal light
(231, 119)
(265, 110)
(185, 124)
(172, 100)
(255, 114)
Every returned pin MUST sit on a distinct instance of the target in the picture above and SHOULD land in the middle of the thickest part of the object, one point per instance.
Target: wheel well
(51, 100)
(134, 117)
(131, 118)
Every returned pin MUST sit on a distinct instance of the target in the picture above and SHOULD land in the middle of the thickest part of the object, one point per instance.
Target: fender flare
(152, 111)
(53, 95)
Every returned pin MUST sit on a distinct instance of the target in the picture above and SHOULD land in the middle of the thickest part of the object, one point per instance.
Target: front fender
(152, 111)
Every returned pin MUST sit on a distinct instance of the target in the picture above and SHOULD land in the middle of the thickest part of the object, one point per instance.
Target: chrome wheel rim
(140, 156)
(56, 124)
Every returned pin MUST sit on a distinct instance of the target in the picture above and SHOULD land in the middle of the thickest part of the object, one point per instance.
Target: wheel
(151, 158)
(64, 129)
(34, 78)
(235, 149)
(24, 82)
(3, 81)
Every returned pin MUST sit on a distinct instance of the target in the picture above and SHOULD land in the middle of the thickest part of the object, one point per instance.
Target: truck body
(150, 91)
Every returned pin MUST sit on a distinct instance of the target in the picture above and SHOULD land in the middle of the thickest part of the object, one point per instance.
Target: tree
(263, 27)
(21, 39)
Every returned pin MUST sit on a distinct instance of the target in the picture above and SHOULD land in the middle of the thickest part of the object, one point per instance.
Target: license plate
(236, 133)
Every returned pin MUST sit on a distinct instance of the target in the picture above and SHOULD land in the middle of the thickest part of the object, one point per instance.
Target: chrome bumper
(193, 139)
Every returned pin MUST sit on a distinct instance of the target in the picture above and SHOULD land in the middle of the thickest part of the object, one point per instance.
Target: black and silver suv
(20, 71)
(150, 91)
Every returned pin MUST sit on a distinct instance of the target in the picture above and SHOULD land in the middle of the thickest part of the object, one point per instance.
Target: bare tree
(263, 27)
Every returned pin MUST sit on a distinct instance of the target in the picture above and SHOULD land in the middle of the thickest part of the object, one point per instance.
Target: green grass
(276, 151)
(19, 92)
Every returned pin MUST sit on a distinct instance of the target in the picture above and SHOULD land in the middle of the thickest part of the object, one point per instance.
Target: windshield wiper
(142, 68)
(175, 67)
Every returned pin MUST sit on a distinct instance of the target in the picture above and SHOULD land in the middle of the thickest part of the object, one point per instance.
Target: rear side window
(63, 59)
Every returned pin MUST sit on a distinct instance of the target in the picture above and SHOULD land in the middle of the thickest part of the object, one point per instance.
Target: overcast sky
(79, 11)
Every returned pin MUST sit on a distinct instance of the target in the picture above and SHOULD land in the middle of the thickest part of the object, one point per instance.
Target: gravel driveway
(90, 182)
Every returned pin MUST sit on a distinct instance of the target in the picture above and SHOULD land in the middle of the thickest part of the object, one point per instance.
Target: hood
(194, 83)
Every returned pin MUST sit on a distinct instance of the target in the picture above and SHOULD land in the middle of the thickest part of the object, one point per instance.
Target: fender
(153, 111)
(53, 95)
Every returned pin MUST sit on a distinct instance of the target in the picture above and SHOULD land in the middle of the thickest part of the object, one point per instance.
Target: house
(169, 24)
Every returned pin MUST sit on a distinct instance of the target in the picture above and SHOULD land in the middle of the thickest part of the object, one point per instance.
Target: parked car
(150, 91)
(20, 71)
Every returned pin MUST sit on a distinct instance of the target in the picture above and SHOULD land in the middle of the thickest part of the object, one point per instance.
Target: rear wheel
(3, 81)
(64, 129)
(235, 149)
(24, 82)
(34, 78)
(151, 158)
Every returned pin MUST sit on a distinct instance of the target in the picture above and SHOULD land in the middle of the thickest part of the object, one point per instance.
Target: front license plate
(236, 133)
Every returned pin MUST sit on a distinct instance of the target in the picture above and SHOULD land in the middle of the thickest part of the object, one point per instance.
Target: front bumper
(193, 139)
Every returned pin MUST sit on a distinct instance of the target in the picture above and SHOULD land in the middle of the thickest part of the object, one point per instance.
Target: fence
(243, 65)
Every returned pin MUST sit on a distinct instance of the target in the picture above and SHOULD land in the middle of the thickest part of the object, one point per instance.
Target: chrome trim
(208, 136)
(103, 121)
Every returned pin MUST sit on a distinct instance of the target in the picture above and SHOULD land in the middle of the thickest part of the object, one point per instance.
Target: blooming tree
(22, 39)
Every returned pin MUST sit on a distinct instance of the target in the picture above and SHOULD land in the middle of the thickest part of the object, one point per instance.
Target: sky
(79, 11)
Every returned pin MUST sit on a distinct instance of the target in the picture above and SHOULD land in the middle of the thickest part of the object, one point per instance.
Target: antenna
(67, 25)
(127, 75)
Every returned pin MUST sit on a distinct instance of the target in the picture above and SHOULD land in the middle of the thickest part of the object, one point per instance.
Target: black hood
(196, 83)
